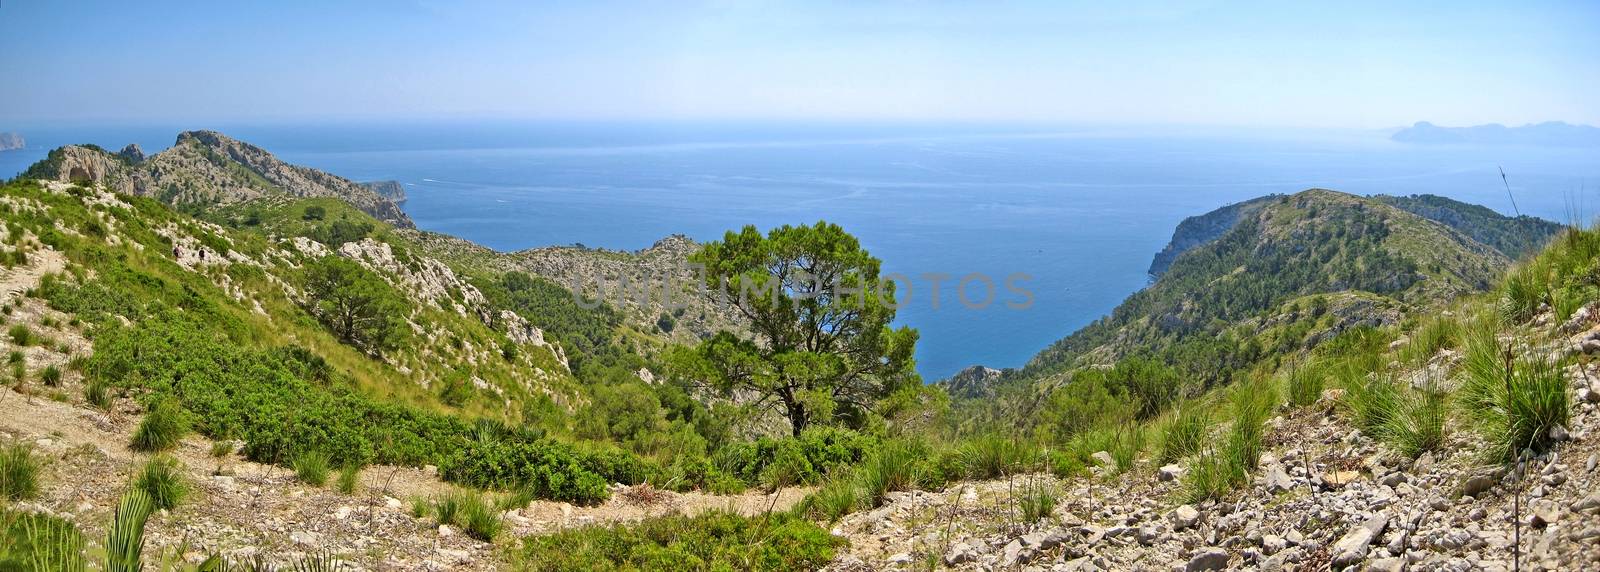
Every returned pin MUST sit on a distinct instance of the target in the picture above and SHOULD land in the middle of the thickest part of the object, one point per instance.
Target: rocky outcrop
(1198, 230)
(131, 154)
(392, 190)
(976, 382)
(208, 168)
(9, 141)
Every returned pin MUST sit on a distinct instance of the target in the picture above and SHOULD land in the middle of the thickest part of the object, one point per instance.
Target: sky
(1286, 64)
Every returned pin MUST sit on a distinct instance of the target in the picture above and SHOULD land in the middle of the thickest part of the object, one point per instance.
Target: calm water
(1080, 210)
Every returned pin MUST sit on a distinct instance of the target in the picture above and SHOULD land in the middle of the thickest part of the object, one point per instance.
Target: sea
(1008, 236)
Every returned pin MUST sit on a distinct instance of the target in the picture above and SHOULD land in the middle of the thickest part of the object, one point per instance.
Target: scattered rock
(960, 553)
(1169, 473)
(1208, 559)
(1477, 485)
(1352, 547)
(1183, 517)
(1277, 480)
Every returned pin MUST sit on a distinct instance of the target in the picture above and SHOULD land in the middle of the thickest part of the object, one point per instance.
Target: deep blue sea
(1080, 209)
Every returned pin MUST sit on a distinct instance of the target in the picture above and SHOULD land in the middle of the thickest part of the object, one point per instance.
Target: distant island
(9, 141)
(1547, 134)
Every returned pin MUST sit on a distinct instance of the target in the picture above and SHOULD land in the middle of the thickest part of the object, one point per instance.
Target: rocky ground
(1325, 495)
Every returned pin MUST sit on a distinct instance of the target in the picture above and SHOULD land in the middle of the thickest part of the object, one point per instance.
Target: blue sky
(1345, 64)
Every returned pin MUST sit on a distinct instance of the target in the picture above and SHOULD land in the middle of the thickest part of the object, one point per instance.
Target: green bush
(349, 477)
(311, 467)
(835, 498)
(822, 449)
(125, 537)
(1418, 423)
(1183, 434)
(162, 427)
(709, 541)
(550, 469)
(162, 478)
(993, 456)
(1037, 502)
(895, 466)
(21, 335)
(36, 541)
(19, 472)
(97, 395)
(51, 376)
(1304, 383)
(1514, 403)
(1372, 402)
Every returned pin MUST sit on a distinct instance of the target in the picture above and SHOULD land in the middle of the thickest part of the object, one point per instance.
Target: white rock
(1183, 517)
(1169, 473)
(1352, 548)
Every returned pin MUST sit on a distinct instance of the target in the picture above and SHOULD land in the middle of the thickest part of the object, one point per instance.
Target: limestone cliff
(206, 168)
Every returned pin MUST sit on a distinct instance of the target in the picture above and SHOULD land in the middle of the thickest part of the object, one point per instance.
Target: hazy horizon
(1355, 66)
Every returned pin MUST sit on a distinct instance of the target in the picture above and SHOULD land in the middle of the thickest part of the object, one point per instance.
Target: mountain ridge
(208, 168)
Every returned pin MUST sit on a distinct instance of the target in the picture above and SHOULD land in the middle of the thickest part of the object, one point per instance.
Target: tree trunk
(798, 418)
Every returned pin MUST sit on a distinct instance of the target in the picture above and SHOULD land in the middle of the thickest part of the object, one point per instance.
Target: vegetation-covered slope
(1283, 249)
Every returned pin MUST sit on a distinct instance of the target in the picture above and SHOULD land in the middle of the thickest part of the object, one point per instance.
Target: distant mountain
(9, 141)
(1287, 271)
(976, 382)
(206, 168)
(1550, 134)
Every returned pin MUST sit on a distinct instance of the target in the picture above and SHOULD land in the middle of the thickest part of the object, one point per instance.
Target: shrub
(125, 537)
(822, 448)
(1125, 450)
(894, 467)
(834, 499)
(1372, 402)
(1183, 434)
(1514, 403)
(349, 477)
(1066, 465)
(478, 519)
(96, 394)
(1037, 502)
(222, 448)
(311, 467)
(162, 427)
(1418, 423)
(550, 469)
(993, 456)
(21, 335)
(19, 472)
(162, 479)
(36, 541)
(1304, 383)
(709, 541)
(51, 376)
